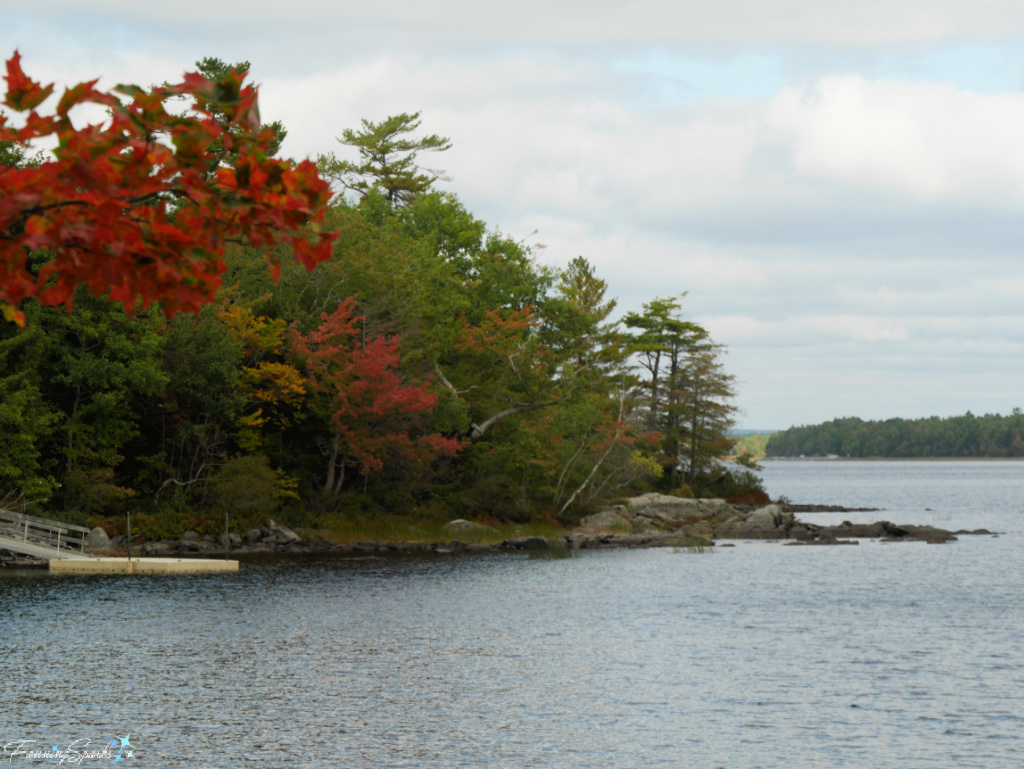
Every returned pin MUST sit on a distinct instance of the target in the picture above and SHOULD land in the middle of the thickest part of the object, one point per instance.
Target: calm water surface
(761, 655)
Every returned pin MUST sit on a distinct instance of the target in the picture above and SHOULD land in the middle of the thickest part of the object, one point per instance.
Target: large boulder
(762, 526)
(606, 520)
(462, 529)
(715, 508)
(673, 511)
(283, 533)
(766, 517)
(97, 541)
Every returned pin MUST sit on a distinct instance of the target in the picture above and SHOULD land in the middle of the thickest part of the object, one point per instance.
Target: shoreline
(650, 520)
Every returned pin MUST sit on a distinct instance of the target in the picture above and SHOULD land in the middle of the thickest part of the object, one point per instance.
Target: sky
(838, 188)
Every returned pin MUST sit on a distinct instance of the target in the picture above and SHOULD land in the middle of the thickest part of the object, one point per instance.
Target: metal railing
(43, 532)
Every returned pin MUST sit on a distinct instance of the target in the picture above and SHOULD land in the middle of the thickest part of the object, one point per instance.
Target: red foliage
(369, 409)
(140, 207)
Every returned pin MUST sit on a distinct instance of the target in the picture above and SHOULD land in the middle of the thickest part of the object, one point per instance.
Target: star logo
(124, 741)
(55, 748)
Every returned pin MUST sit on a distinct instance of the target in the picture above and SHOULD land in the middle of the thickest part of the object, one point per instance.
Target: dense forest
(990, 435)
(430, 365)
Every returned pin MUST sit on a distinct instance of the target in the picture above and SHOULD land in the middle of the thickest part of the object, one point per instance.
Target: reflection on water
(761, 655)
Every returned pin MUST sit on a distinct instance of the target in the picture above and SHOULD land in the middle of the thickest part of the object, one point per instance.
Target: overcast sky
(838, 187)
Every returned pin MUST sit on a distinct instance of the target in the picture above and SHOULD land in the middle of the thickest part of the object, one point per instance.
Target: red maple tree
(372, 415)
(139, 207)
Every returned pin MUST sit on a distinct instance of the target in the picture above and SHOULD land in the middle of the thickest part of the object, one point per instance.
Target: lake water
(759, 655)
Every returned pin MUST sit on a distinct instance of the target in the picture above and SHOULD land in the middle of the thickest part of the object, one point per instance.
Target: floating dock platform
(140, 565)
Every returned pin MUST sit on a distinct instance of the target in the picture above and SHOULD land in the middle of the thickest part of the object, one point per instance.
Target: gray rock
(738, 528)
(662, 507)
(677, 510)
(527, 543)
(286, 534)
(606, 520)
(700, 529)
(252, 536)
(716, 508)
(97, 541)
(930, 534)
(231, 539)
(766, 517)
(463, 529)
(659, 500)
(644, 524)
(190, 536)
(862, 530)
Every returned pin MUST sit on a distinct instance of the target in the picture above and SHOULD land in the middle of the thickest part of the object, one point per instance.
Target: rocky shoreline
(649, 520)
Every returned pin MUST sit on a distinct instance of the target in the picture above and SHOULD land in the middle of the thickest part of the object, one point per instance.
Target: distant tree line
(991, 435)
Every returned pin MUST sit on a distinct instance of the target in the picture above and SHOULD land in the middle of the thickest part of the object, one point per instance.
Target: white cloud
(467, 23)
(922, 141)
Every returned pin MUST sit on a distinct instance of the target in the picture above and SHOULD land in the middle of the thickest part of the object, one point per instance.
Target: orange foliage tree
(139, 207)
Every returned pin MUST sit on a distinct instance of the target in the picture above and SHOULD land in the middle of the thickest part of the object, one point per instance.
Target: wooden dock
(140, 565)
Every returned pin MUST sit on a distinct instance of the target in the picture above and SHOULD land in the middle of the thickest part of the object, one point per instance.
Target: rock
(862, 530)
(739, 528)
(700, 529)
(659, 500)
(766, 517)
(190, 536)
(673, 511)
(286, 534)
(802, 534)
(663, 508)
(252, 536)
(827, 541)
(606, 520)
(156, 548)
(716, 508)
(468, 530)
(930, 534)
(527, 543)
(225, 539)
(644, 524)
(97, 541)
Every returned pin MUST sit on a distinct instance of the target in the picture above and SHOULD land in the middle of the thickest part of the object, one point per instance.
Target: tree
(387, 160)
(25, 421)
(686, 390)
(131, 208)
(214, 70)
(371, 415)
